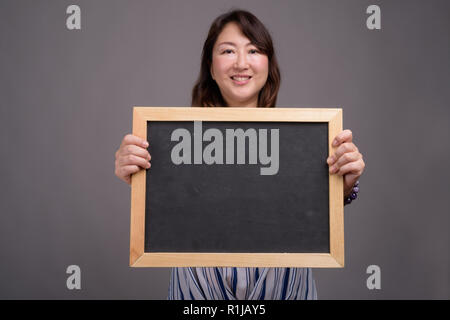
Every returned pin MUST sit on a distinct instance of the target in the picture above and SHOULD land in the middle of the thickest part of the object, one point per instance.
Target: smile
(240, 80)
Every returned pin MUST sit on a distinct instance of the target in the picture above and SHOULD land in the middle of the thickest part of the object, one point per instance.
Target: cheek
(221, 66)
(261, 66)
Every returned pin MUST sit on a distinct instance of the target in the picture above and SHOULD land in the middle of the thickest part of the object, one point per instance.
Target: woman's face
(238, 67)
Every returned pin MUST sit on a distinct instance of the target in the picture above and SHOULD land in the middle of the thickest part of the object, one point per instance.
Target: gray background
(66, 102)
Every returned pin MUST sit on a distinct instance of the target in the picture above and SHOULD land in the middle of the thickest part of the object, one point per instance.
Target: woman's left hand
(346, 161)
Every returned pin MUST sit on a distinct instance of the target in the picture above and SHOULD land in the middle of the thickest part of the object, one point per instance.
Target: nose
(241, 61)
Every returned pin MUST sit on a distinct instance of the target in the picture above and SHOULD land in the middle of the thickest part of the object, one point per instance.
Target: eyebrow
(233, 44)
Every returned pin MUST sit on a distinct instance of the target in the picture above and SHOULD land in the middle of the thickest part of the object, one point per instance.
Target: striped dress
(242, 284)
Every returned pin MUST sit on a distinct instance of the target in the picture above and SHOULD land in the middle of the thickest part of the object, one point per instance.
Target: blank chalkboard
(227, 212)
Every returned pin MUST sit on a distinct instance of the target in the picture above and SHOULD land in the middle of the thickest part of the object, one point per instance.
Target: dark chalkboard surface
(232, 207)
(265, 200)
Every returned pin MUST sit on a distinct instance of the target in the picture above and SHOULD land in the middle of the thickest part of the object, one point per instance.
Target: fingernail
(148, 164)
(145, 144)
(334, 143)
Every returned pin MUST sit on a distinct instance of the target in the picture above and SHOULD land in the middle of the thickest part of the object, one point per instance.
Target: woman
(239, 69)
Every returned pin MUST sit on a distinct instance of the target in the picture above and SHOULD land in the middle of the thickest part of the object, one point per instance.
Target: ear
(211, 72)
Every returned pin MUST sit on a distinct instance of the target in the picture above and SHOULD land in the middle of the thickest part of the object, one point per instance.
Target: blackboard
(230, 211)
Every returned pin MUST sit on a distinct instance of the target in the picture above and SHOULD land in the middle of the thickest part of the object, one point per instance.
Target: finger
(132, 139)
(354, 167)
(131, 159)
(343, 136)
(344, 159)
(127, 171)
(343, 148)
(137, 151)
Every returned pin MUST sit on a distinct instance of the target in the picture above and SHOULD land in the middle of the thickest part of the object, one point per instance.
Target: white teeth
(240, 78)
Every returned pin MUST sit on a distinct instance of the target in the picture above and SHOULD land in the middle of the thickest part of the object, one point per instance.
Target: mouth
(240, 79)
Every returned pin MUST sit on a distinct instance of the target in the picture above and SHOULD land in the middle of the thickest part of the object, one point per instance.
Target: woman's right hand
(131, 157)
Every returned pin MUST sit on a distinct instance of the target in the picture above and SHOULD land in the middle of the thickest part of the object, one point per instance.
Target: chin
(242, 98)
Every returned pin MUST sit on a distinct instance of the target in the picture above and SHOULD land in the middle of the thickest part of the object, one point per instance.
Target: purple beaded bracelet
(353, 194)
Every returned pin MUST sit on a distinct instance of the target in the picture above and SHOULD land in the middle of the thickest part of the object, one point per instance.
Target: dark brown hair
(206, 93)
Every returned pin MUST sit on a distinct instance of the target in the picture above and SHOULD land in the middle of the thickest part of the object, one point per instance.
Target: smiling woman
(239, 67)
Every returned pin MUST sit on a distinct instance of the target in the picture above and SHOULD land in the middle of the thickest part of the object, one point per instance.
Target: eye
(227, 51)
(253, 51)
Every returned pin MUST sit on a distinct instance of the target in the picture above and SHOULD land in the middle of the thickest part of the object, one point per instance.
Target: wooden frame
(139, 258)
